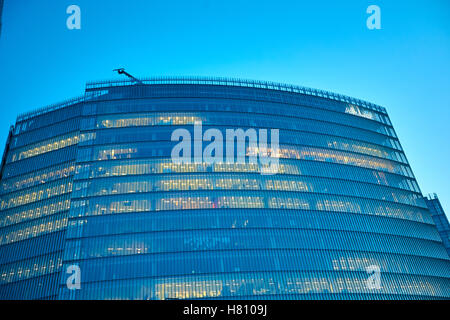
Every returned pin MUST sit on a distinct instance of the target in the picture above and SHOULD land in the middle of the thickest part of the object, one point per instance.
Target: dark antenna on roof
(122, 71)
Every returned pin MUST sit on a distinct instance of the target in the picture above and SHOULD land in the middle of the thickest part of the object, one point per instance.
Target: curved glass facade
(92, 183)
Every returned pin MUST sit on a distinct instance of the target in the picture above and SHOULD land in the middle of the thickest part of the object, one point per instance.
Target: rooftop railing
(57, 106)
(218, 81)
(234, 82)
(53, 107)
(432, 196)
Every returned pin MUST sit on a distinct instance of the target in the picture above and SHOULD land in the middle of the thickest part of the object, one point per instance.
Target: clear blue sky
(404, 67)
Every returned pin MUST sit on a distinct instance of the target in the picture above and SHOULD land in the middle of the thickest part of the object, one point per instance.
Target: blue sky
(404, 67)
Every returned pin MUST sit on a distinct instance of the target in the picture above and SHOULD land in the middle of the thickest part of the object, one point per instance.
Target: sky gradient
(404, 67)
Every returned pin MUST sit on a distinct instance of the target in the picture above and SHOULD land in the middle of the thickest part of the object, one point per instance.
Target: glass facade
(91, 183)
